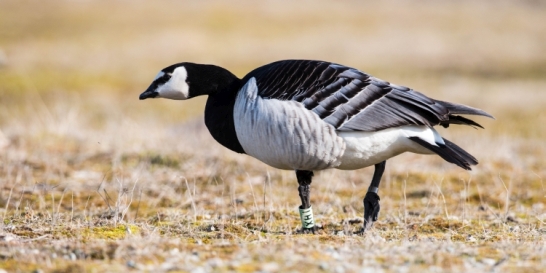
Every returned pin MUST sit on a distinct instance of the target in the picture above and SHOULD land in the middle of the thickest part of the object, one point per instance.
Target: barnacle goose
(307, 115)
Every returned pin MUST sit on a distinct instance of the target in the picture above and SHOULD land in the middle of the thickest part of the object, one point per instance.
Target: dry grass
(91, 179)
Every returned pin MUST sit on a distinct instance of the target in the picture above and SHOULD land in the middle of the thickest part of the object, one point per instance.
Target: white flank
(284, 134)
(365, 149)
(176, 88)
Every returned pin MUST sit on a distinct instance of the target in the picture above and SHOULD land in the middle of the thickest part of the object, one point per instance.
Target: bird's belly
(283, 134)
(363, 149)
(289, 153)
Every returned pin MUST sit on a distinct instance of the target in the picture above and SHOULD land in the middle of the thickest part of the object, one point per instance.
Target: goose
(307, 115)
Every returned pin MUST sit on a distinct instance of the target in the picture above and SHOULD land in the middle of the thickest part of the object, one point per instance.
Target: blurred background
(71, 73)
(79, 153)
(475, 52)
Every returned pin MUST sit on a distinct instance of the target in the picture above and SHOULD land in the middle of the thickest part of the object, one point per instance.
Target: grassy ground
(93, 180)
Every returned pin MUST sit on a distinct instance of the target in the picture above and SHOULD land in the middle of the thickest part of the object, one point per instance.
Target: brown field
(94, 180)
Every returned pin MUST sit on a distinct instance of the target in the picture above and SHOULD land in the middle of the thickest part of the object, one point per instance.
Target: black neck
(219, 115)
(206, 79)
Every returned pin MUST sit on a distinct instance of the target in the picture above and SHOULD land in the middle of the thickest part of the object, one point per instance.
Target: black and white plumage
(313, 115)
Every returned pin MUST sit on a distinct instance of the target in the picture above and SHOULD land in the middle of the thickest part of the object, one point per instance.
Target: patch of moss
(70, 268)
(109, 232)
(12, 265)
(248, 267)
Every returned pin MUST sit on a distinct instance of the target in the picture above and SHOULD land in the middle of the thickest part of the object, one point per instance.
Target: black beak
(149, 93)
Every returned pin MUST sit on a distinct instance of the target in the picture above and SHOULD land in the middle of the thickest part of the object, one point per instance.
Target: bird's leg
(306, 211)
(371, 201)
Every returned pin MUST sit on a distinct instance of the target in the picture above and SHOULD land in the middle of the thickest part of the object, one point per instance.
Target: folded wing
(351, 100)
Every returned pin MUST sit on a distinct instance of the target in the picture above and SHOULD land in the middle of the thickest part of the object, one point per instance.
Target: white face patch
(176, 88)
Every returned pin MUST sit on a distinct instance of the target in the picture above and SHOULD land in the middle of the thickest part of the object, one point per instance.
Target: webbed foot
(371, 209)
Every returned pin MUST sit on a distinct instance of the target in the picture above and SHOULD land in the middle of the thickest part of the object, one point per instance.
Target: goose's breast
(284, 134)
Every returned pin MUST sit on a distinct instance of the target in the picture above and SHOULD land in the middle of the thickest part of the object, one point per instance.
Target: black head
(187, 80)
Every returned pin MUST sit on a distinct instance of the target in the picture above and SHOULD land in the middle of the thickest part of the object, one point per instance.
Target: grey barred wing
(351, 100)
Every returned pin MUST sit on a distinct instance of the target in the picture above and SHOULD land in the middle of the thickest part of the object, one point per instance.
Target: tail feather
(450, 152)
(462, 153)
(455, 108)
(460, 120)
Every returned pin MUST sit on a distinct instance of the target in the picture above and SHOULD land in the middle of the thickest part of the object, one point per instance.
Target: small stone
(270, 267)
(198, 270)
(215, 262)
(339, 269)
(371, 270)
(194, 257)
(538, 206)
(7, 237)
(323, 266)
(488, 261)
(131, 264)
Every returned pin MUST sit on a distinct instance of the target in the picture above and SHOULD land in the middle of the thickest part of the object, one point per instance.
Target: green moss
(109, 232)
(12, 265)
(70, 268)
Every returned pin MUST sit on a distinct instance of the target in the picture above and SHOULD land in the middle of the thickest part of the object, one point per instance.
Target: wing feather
(351, 100)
